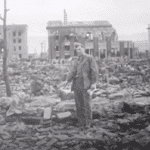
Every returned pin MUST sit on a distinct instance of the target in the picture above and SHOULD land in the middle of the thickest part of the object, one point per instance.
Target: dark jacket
(89, 72)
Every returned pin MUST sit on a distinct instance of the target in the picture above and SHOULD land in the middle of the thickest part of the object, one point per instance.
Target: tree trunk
(5, 66)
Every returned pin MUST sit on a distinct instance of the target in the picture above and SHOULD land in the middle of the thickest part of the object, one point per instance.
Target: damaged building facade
(99, 38)
(16, 41)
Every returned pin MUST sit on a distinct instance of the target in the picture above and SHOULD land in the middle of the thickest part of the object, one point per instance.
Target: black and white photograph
(74, 74)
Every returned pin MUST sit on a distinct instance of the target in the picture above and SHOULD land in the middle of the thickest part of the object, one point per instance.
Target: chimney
(65, 17)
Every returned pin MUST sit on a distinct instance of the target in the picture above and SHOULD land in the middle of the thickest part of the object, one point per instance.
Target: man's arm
(94, 71)
(72, 73)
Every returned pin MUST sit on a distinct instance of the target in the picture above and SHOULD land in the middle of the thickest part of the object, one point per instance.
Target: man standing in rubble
(84, 75)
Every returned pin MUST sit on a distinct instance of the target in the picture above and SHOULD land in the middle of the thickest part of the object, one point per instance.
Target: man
(84, 75)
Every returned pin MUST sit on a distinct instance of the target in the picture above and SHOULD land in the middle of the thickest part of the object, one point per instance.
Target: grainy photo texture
(74, 74)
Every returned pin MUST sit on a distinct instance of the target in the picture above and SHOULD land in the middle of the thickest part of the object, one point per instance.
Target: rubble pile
(20, 76)
(120, 107)
(45, 122)
(113, 77)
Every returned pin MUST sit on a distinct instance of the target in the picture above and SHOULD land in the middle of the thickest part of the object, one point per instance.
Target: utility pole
(41, 50)
(5, 66)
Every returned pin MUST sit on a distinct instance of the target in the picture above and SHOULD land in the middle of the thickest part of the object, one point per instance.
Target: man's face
(80, 50)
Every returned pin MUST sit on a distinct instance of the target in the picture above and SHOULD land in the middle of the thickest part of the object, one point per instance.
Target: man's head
(80, 49)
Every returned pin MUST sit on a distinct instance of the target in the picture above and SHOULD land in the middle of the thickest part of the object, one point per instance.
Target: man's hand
(93, 87)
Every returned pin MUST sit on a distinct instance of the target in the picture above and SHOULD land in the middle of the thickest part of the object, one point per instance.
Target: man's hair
(78, 44)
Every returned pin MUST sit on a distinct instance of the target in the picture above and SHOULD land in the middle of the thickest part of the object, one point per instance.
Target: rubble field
(47, 121)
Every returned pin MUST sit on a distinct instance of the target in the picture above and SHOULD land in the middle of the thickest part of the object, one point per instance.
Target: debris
(47, 113)
(63, 115)
(120, 106)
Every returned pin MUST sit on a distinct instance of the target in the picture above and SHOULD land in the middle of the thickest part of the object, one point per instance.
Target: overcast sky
(127, 16)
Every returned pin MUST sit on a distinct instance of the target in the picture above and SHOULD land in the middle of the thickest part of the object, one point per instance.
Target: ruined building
(99, 38)
(16, 40)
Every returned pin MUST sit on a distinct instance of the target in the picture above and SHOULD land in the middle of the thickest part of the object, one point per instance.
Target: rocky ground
(120, 106)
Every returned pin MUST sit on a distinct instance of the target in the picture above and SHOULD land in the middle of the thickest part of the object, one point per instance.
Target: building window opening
(14, 48)
(20, 56)
(118, 53)
(67, 48)
(126, 52)
(87, 51)
(19, 40)
(19, 47)
(100, 36)
(89, 36)
(19, 33)
(102, 54)
(14, 33)
(67, 56)
(14, 40)
(113, 54)
(57, 48)
(57, 37)
(67, 37)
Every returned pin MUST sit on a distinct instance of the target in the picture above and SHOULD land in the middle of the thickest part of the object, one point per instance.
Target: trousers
(82, 102)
